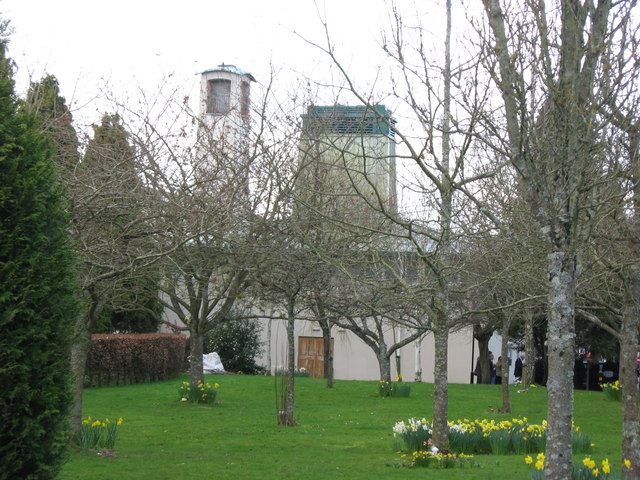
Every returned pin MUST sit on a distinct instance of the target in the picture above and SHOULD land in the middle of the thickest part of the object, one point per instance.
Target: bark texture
(629, 342)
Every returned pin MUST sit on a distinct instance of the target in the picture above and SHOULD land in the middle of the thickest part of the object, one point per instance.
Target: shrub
(133, 358)
(237, 342)
(38, 305)
(137, 309)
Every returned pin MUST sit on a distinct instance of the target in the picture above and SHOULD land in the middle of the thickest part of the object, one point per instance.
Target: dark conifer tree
(37, 302)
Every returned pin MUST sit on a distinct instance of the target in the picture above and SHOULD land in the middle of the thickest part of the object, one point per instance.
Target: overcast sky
(135, 44)
(87, 43)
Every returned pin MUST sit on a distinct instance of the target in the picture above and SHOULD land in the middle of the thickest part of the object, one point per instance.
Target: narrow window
(244, 99)
(219, 96)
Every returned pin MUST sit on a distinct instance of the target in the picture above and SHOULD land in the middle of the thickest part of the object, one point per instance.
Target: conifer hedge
(37, 302)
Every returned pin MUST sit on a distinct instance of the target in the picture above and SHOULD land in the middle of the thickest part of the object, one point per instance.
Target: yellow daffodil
(595, 472)
(120, 421)
(627, 463)
(528, 460)
(606, 468)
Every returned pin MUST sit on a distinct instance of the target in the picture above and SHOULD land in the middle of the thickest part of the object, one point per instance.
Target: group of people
(495, 370)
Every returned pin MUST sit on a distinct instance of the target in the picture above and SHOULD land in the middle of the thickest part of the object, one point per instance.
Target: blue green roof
(230, 69)
(349, 120)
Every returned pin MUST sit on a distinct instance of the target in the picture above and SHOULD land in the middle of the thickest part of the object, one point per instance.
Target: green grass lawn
(344, 432)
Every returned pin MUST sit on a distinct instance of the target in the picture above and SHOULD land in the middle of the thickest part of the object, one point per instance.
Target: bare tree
(547, 66)
(442, 103)
(216, 189)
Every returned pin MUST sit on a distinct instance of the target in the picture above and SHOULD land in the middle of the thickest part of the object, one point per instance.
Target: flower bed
(587, 470)
(486, 436)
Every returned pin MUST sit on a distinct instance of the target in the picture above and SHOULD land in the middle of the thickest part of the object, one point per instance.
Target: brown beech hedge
(119, 359)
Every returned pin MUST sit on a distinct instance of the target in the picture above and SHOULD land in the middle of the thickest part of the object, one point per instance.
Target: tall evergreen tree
(37, 302)
(44, 100)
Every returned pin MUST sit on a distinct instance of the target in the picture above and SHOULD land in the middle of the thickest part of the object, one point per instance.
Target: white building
(346, 136)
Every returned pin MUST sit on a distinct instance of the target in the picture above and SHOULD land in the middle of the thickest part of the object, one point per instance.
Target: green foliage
(37, 303)
(237, 342)
(136, 310)
(44, 101)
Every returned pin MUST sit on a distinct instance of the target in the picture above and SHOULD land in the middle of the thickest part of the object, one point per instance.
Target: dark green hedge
(38, 307)
(120, 359)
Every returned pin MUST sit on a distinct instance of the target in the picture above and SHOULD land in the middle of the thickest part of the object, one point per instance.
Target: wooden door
(310, 355)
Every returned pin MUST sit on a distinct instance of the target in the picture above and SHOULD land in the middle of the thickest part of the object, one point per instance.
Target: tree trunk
(269, 347)
(384, 363)
(506, 406)
(418, 360)
(441, 386)
(79, 353)
(529, 350)
(482, 362)
(397, 338)
(287, 415)
(628, 377)
(561, 353)
(195, 359)
(327, 353)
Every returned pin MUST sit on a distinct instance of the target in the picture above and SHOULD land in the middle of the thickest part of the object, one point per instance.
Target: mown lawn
(344, 432)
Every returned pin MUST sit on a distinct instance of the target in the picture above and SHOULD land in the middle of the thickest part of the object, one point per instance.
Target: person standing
(498, 371)
(518, 367)
(492, 368)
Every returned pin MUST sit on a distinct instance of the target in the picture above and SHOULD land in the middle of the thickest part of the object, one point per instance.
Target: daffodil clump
(487, 436)
(587, 470)
(391, 389)
(198, 393)
(98, 433)
(498, 437)
(612, 390)
(415, 433)
(439, 459)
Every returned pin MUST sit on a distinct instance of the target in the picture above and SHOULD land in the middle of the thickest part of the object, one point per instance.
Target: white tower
(225, 101)
(225, 111)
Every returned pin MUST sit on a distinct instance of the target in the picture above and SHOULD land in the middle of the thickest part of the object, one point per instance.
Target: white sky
(126, 43)
(135, 44)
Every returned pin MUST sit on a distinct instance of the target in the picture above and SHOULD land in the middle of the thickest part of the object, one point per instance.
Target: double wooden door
(311, 356)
